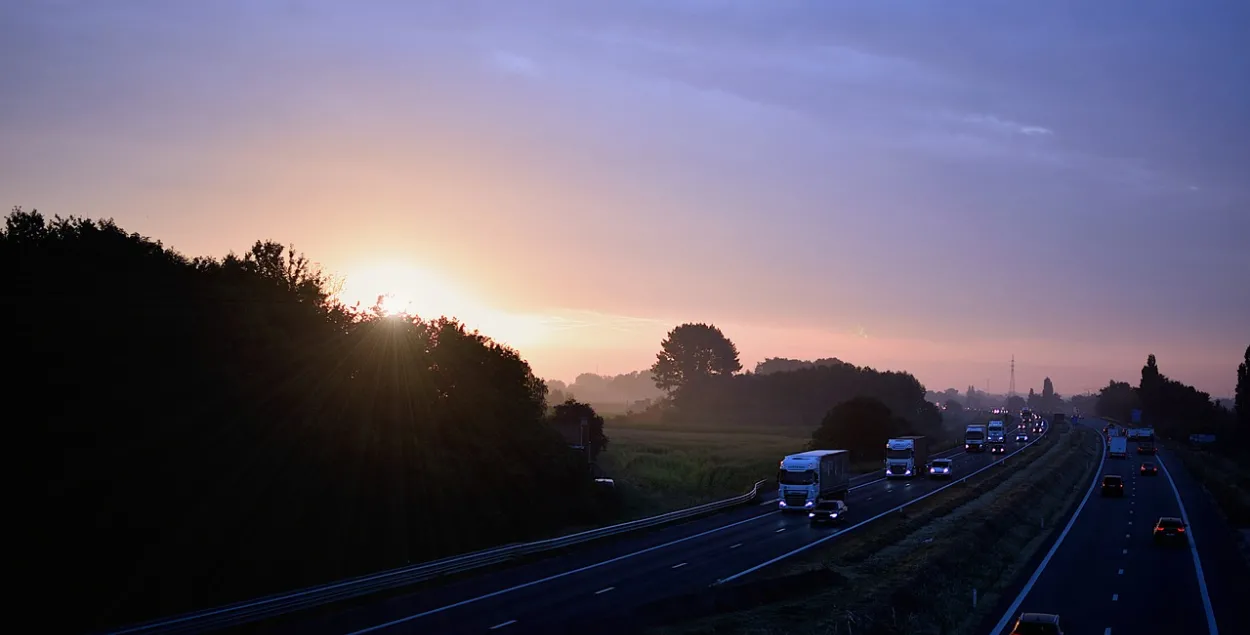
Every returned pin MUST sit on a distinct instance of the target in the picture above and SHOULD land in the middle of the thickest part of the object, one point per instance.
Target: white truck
(805, 479)
(974, 438)
(905, 457)
(1117, 447)
(996, 434)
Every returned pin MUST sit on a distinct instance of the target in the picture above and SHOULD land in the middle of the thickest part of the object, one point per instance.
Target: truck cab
(997, 435)
(811, 477)
(905, 457)
(974, 438)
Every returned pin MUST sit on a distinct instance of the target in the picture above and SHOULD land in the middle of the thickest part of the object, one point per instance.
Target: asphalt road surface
(1107, 576)
(603, 583)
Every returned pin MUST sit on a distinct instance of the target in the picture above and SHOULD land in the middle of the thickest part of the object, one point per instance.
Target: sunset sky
(924, 185)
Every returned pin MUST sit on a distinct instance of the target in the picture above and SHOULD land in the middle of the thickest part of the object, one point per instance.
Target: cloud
(515, 64)
(993, 122)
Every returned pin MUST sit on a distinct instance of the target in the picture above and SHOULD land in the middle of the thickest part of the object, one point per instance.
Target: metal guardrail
(275, 605)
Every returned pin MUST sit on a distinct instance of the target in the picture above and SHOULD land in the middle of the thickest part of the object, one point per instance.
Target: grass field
(915, 572)
(664, 467)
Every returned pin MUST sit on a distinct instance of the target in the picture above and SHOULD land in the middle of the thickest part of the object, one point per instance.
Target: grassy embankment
(914, 572)
(1228, 482)
(664, 467)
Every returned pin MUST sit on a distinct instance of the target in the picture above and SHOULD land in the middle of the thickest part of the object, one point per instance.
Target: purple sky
(925, 185)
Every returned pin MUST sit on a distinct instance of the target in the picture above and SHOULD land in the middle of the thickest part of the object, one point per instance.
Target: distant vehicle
(1117, 447)
(1026, 415)
(1113, 485)
(997, 435)
(806, 479)
(1168, 530)
(905, 456)
(1022, 437)
(1149, 469)
(974, 438)
(1146, 435)
(1146, 447)
(941, 468)
(827, 511)
(1037, 624)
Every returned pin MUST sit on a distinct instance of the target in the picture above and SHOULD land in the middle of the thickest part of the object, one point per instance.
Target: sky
(921, 185)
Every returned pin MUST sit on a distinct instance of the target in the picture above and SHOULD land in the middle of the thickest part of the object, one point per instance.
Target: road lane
(552, 595)
(1108, 574)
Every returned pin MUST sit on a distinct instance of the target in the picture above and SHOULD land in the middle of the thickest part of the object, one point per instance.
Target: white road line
(1115, 597)
(1130, 522)
(602, 591)
(1127, 536)
(1028, 586)
(1212, 629)
(1107, 632)
(678, 566)
(503, 624)
(1120, 572)
(771, 502)
(735, 546)
(557, 576)
(865, 522)
(1124, 552)
(779, 530)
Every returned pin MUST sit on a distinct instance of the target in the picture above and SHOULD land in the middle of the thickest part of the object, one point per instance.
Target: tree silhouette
(569, 415)
(692, 353)
(1117, 400)
(861, 425)
(1050, 401)
(1034, 402)
(954, 406)
(1015, 404)
(1241, 399)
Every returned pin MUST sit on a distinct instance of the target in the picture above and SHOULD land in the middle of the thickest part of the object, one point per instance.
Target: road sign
(1137, 416)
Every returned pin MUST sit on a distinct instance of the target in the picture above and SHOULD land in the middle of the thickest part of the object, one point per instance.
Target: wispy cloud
(515, 64)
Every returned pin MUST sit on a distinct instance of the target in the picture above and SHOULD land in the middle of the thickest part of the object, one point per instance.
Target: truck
(905, 456)
(808, 478)
(1117, 447)
(1144, 435)
(974, 438)
(996, 434)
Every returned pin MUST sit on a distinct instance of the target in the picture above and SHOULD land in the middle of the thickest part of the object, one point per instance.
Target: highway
(1105, 574)
(602, 584)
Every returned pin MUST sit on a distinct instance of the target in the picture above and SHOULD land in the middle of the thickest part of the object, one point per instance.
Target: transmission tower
(1011, 387)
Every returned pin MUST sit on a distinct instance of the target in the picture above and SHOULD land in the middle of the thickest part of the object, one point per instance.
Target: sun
(417, 291)
(405, 288)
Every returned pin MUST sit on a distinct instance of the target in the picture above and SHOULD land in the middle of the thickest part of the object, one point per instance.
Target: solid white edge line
(557, 576)
(1212, 629)
(865, 522)
(1028, 586)
(503, 624)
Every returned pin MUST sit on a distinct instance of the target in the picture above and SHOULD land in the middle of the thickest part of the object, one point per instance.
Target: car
(1146, 447)
(1169, 529)
(941, 468)
(997, 448)
(827, 511)
(1112, 485)
(1149, 469)
(1037, 624)
(1021, 437)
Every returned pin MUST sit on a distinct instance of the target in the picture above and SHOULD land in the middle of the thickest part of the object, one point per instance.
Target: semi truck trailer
(805, 479)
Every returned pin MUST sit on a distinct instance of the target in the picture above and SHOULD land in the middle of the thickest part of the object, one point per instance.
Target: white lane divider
(1107, 632)
(779, 530)
(679, 565)
(1124, 552)
(1212, 628)
(735, 546)
(1120, 572)
(503, 624)
(1115, 597)
(602, 591)
(1028, 586)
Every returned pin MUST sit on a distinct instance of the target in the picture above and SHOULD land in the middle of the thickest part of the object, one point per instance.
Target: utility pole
(1011, 388)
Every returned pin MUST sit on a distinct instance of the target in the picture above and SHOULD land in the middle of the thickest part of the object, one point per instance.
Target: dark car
(827, 511)
(1169, 530)
(1022, 437)
(1149, 469)
(1112, 485)
(941, 468)
(1146, 447)
(1037, 624)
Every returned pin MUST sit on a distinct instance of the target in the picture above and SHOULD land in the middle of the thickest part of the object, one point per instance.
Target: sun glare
(419, 292)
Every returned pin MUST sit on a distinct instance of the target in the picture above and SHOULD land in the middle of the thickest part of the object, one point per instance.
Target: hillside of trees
(214, 429)
(636, 389)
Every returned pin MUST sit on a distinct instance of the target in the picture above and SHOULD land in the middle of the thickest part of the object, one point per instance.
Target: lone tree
(1241, 400)
(1051, 402)
(568, 416)
(693, 352)
(861, 425)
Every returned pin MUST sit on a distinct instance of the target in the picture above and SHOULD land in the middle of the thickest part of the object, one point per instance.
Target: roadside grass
(1228, 483)
(660, 469)
(915, 571)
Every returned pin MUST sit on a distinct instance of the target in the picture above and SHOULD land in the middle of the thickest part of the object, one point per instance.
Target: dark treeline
(1177, 410)
(699, 367)
(784, 364)
(210, 430)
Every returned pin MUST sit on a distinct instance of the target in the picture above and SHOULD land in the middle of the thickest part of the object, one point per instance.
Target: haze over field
(577, 178)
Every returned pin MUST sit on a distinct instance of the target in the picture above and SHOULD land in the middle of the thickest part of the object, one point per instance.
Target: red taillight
(1180, 529)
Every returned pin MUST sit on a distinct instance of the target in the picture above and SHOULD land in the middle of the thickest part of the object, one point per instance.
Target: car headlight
(812, 515)
(809, 504)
